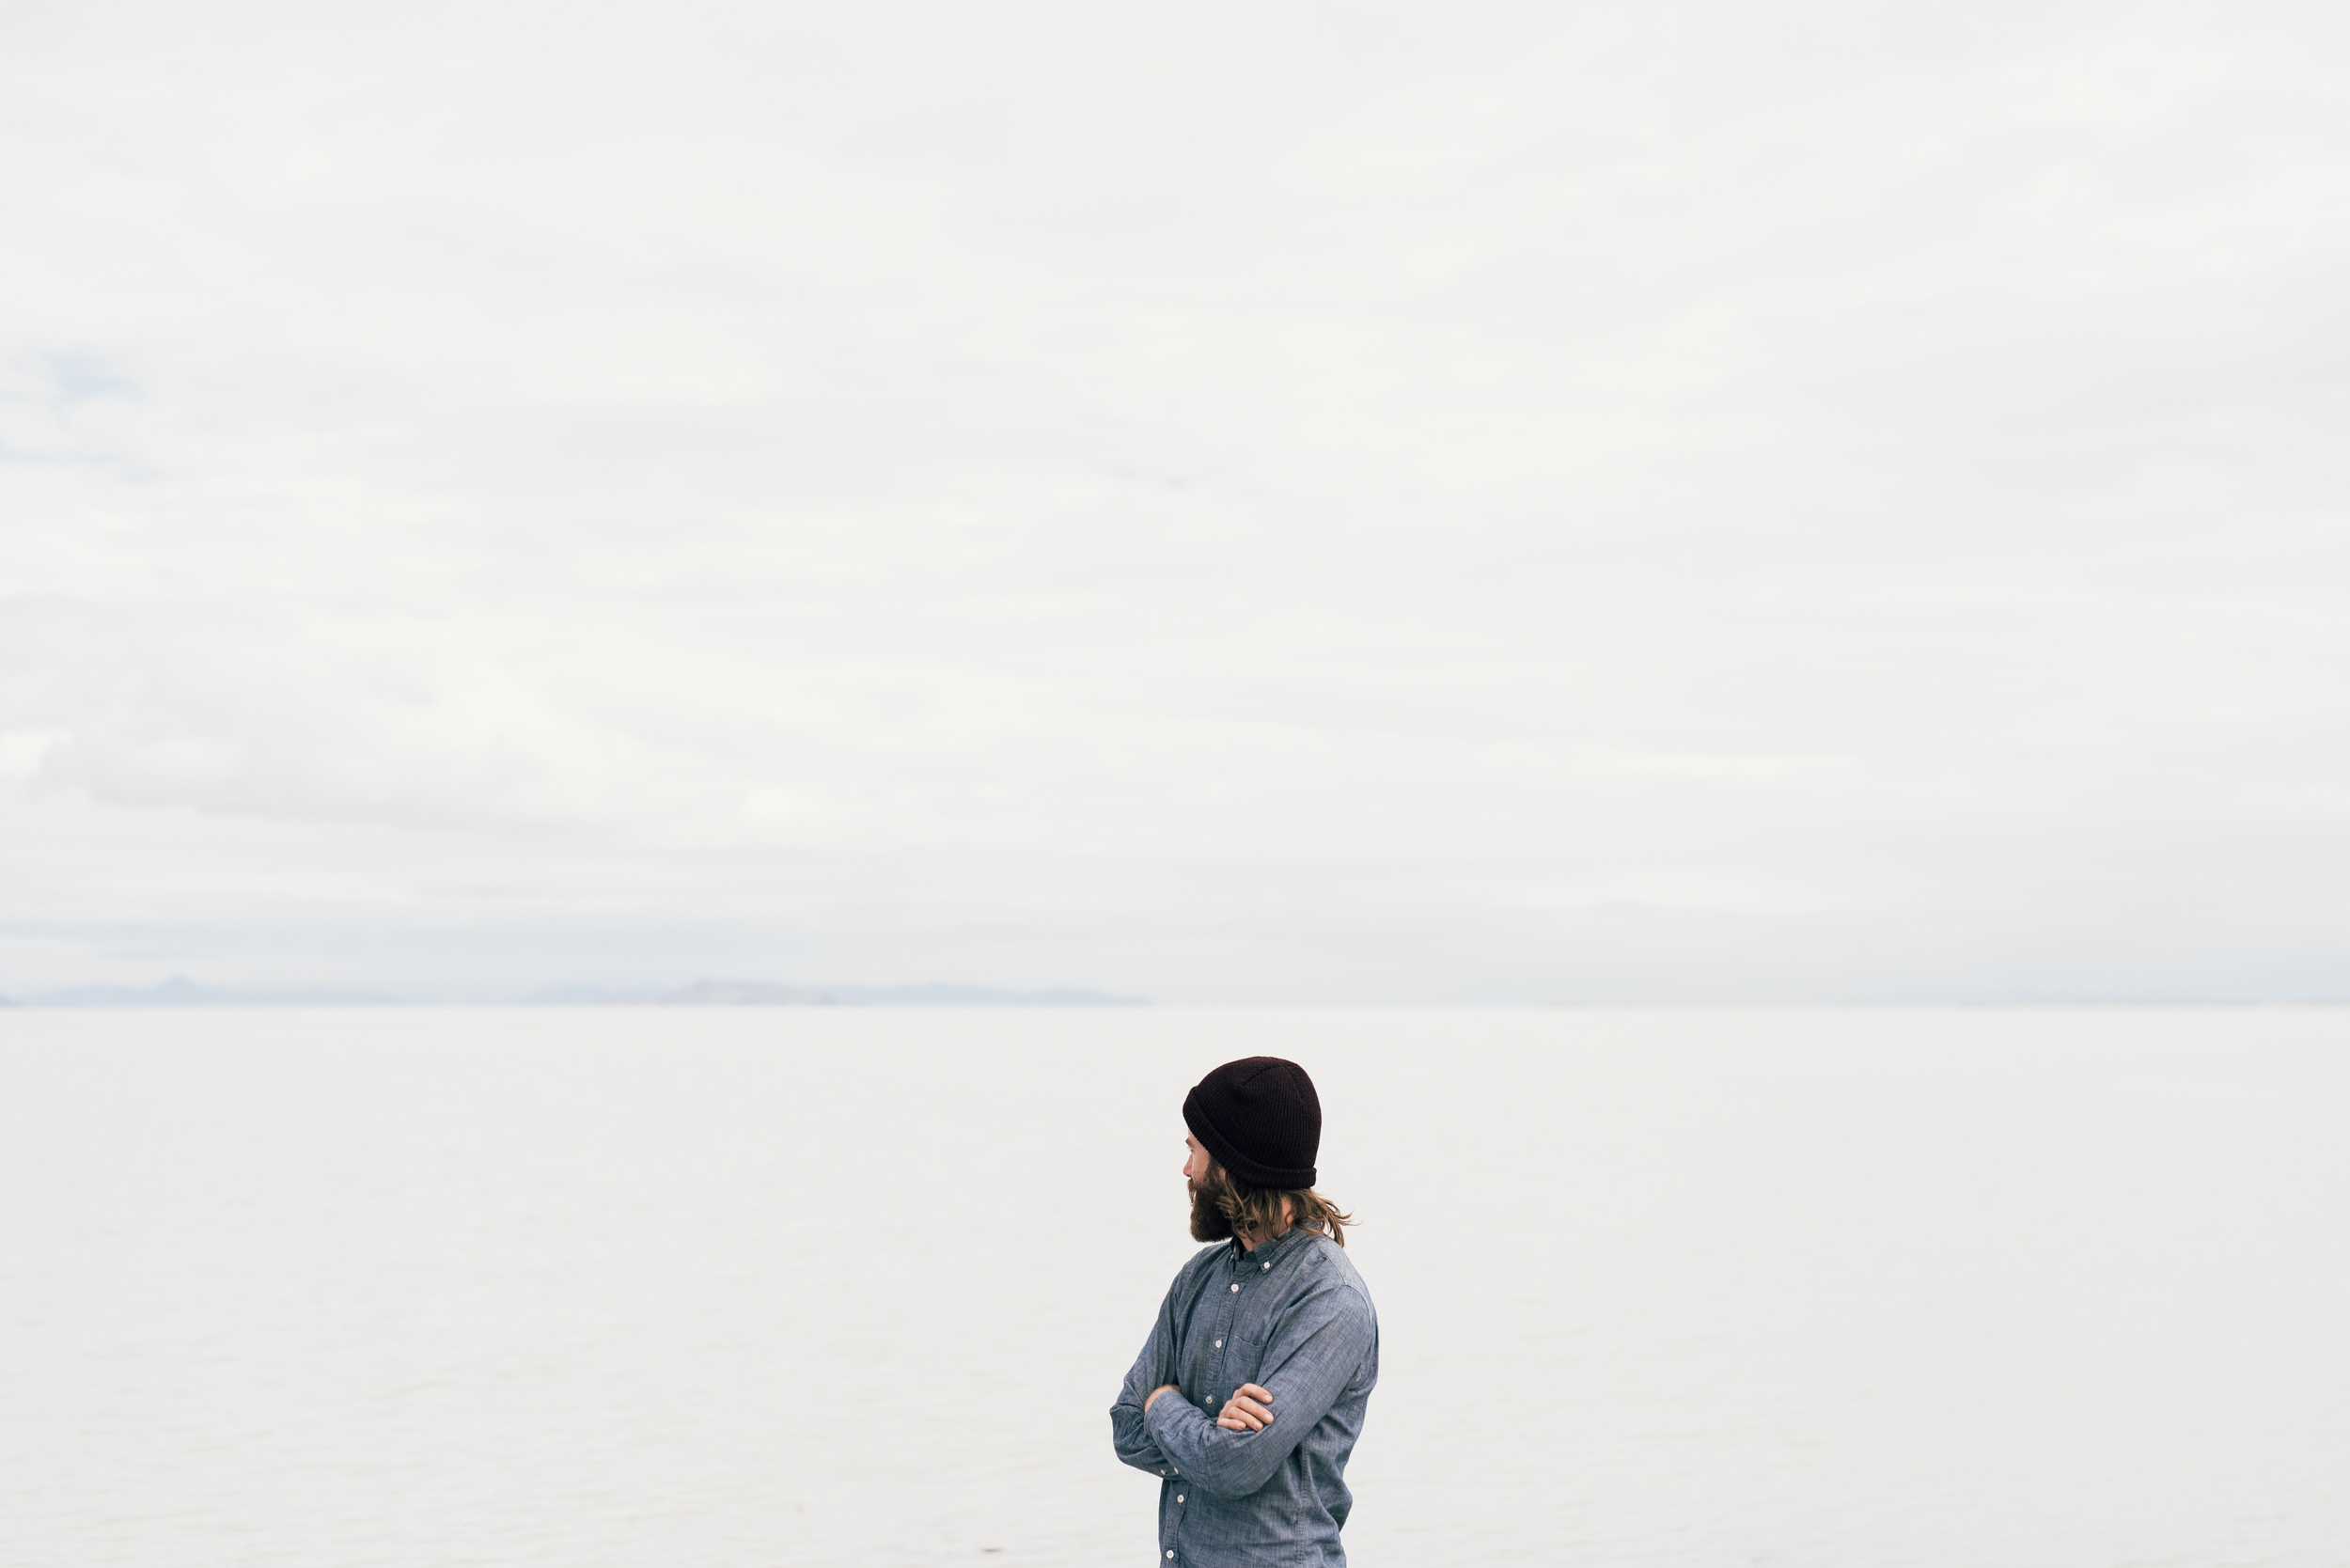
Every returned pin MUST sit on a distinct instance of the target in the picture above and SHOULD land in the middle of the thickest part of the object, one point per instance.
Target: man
(1249, 1394)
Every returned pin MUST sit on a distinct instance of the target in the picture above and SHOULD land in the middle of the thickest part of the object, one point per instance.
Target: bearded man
(1247, 1398)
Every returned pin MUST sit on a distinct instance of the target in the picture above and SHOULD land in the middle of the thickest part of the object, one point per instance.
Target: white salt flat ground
(656, 1288)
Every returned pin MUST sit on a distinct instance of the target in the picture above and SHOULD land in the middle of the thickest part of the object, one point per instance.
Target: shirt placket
(1227, 1313)
(1243, 1268)
(1226, 1316)
(1227, 1319)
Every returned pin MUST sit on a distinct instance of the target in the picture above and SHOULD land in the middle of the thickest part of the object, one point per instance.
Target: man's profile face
(1196, 1165)
(1207, 1220)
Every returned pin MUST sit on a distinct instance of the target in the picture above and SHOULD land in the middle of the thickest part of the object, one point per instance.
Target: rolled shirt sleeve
(1152, 1369)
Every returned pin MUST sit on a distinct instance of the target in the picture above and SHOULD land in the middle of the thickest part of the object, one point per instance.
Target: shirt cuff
(1159, 1413)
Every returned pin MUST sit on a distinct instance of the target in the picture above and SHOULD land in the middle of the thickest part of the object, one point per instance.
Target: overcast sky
(1282, 502)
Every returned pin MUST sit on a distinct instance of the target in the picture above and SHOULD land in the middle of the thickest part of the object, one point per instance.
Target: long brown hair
(1255, 1212)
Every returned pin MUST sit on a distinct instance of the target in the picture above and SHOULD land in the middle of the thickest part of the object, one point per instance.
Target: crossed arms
(1322, 1343)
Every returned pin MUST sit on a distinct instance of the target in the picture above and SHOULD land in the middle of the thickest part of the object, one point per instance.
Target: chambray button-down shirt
(1293, 1318)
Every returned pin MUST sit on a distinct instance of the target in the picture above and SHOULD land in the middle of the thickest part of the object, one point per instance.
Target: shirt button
(1179, 1496)
(1236, 1287)
(1220, 1344)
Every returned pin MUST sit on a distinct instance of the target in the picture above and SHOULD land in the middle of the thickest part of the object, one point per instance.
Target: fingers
(1254, 1392)
(1245, 1413)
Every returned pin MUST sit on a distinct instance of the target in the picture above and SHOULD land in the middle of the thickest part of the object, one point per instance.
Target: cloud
(1251, 505)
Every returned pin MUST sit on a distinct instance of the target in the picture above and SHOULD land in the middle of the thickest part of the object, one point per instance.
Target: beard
(1209, 1222)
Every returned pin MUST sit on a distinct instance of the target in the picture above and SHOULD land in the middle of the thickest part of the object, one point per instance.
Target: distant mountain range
(179, 990)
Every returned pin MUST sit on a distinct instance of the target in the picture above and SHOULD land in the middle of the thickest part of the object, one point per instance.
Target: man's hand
(1162, 1388)
(1248, 1410)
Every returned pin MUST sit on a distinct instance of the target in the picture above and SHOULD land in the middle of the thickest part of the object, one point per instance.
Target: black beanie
(1261, 1119)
